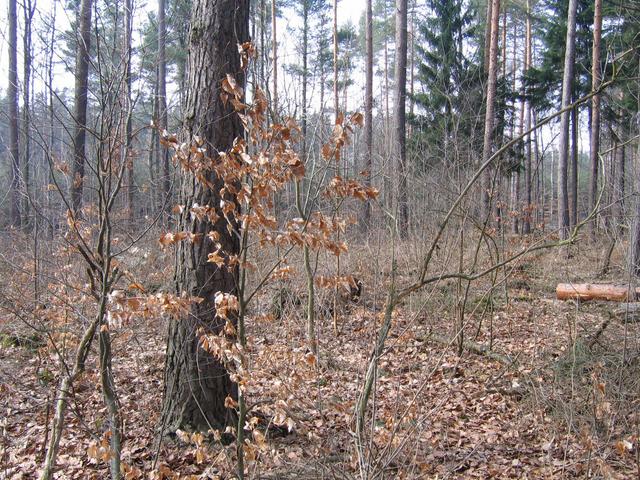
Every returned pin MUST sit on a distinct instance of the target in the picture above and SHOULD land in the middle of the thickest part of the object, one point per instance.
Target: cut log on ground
(594, 291)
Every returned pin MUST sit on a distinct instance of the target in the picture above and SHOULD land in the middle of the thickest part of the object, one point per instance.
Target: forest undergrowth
(538, 392)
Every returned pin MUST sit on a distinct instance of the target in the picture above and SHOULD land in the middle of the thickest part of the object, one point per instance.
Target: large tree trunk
(12, 90)
(368, 110)
(196, 384)
(595, 110)
(489, 119)
(567, 81)
(400, 116)
(80, 104)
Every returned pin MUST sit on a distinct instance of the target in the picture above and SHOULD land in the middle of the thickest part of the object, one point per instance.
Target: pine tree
(444, 73)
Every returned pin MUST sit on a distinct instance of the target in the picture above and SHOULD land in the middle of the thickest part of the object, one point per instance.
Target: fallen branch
(627, 312)
(474, 347)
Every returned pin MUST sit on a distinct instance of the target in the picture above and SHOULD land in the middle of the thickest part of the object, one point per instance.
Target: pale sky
(347, 10)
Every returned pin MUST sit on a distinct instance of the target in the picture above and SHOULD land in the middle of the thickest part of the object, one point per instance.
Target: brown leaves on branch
(340, 187)
(123, 308)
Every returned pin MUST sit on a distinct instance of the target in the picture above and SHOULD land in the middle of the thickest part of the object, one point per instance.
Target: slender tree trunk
(554, 186)
(399, 115)
(196, 383)
(274, 46)
(388, 188)
(263, 46)
(595, 111)
(305, 74)
(368, 110)
(335, 59)
(163, 116)
(12, 90)
(573, 200)
(499, 204)
(526, 224)
(489, 119)
(504, 45)
(610, 177)
(634, 243)
(128, 110)
(620, 184)
(412, 62)
(28, 10)
(567, 81)
(50, 152)
(515, 175)
(154, 148)
(80, 104)
(51, 146)
(540, 176)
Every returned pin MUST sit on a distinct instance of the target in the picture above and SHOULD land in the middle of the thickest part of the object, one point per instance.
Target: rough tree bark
(567, 81)
(80, 104)
(196, 384)
(400, 115)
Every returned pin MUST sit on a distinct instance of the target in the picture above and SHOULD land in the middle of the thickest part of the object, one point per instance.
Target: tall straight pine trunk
(563, 147)
(400, 115)
(489, 119)
(526, 223)
(368, 110)
(596, 78)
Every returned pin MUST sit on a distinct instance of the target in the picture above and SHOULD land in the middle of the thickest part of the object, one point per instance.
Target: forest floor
(551, 403)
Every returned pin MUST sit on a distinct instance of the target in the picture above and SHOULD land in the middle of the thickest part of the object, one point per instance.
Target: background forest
(320, 239)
